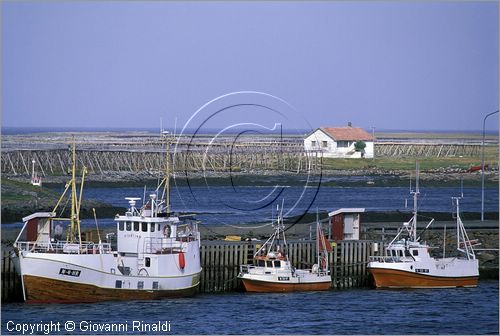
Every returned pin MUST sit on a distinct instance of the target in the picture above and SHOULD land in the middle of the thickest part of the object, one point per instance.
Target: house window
(324, 144)
(343, 144)
(313, 143)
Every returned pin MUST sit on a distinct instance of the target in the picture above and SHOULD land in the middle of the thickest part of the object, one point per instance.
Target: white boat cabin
(404, 251)
(144, 231)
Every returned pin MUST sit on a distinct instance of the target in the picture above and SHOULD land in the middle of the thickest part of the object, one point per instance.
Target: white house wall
(332, 150)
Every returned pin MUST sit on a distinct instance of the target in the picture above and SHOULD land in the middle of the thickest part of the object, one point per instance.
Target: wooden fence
(221, 260)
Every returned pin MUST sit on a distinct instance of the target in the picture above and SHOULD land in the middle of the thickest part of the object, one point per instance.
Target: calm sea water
(256, 204)
(459, 311)
(245, 204)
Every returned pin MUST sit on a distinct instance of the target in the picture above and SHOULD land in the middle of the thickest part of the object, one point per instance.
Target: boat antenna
(166, 179)
(415, 194)
(97, 226)
(175, 126)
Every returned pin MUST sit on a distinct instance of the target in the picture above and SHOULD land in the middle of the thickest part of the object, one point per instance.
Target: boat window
(148, 261)
(277, 263)
(400, 253)
(269, 263)
(136, 226)
(152, 228)
(166, 230)
(140, 284)
(155, 284)
(118, 284)
(144, 227)
(415, 252)
(261, 263)
(128, 226)
(120, 226)
(407, 253)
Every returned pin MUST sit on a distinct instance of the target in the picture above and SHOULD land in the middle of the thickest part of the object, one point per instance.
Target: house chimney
(349, 124)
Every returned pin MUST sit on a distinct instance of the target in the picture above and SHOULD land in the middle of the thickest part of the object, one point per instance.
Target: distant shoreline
(10, 130)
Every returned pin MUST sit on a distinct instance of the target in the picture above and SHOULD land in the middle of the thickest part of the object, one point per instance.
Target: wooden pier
(11, 281)
(348, 260)
(221, 262)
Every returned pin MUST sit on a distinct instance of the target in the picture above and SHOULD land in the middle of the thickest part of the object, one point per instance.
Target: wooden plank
(335, 266)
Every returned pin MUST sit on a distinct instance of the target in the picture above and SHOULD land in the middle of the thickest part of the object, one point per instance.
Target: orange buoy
(182, 260)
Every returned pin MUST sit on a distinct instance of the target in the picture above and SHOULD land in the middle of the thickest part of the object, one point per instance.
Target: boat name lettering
(421, 270)
(70, 272)
(283, 278)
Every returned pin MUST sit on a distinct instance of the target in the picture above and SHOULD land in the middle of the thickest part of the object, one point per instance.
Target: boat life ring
(182, 260)
(166, 231)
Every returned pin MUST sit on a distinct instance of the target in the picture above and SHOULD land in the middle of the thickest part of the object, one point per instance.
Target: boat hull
(45, 290)
(72, 278)
(393, 278)
(260, 286)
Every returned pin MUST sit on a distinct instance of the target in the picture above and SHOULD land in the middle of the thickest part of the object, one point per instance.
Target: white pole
(373, 139)
(33, 170)
(482, 166)
(444, 241)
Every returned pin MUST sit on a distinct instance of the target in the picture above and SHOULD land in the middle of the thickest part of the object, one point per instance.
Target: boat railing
(157, 245)
(245, 269)
(387, 259)
(64, 247)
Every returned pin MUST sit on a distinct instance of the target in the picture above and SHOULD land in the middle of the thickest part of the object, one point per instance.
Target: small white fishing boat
(35, 179)
(156, 255)
(272, 270)
(408, 264)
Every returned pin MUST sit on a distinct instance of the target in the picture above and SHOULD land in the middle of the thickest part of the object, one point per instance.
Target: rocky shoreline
(440, 175)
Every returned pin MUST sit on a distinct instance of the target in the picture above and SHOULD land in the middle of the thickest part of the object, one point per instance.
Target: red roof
(347, 133)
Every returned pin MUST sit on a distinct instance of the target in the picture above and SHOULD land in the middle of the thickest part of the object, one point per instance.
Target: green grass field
(429, 163)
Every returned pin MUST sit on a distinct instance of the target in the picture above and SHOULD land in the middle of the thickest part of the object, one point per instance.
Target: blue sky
(391, 65)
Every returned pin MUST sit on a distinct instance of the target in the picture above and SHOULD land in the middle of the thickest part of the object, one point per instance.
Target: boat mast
(33, 171)
(415, 193)
(75, 207)
(166, 179)
(463, 242)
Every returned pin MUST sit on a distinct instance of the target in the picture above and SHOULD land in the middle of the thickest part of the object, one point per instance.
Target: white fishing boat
(156, 255)
(408, 264)
(272, 270)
